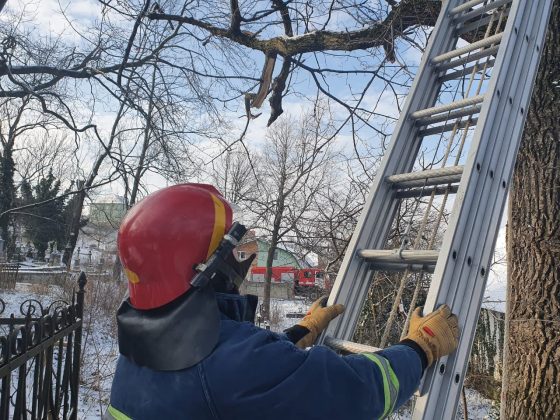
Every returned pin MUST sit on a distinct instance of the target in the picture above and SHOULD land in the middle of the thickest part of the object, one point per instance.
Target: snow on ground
(478, 408)
(281, 308)
(98, 366)
(101, 351)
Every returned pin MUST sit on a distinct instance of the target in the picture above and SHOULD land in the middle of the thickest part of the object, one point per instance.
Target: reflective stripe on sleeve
(390, 382)
(114, 414)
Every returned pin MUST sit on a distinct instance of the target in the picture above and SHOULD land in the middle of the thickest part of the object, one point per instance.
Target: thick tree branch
(408, 14)
(235, 24)
(277, 91)
(59, 73)
(281, 6)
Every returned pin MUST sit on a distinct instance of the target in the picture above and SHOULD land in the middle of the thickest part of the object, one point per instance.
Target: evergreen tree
(45, 222)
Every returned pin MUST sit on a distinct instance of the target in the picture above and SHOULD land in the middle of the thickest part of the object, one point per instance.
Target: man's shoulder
(234, 331)
(250, 343)
(247, 357)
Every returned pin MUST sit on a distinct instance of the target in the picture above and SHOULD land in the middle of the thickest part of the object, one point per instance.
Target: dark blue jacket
(257, 374)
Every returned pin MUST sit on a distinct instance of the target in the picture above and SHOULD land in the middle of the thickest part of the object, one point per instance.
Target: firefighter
(189, 348)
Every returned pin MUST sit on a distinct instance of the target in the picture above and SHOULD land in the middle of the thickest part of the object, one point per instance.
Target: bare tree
(18, 121)
(290, 171)
(46, 151)
(139, 71)
(234, 176)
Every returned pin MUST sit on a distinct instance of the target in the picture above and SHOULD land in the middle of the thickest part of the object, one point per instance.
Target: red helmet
(164, 236)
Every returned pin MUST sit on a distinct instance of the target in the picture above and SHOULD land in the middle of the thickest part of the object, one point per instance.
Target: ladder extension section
(489, 6)
(506, 42)
(348, 346)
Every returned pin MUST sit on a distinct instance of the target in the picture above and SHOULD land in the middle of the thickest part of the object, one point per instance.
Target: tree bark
(270, 255)
(531, 383)
(7, 172)
(265, 311)
(75, 224)
(7, 193)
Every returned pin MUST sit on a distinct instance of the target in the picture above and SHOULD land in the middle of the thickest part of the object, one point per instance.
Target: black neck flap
(241, 308)
(173, 337)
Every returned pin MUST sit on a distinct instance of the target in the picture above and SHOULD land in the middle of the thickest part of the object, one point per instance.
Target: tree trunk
(117, 269)
(75, 223)
(7, 194)
(265, 313)
(531, 382)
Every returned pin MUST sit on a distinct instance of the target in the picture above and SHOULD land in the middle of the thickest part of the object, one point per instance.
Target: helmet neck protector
(183, 332)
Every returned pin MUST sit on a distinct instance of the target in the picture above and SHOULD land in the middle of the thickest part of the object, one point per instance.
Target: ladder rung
(348, 346)
(448, 127)
(442, 180)
(413, 268)
(450, 116)
(481, 10)
(479, 24)
(483, 43)
(467, 71)
(465, 6)
(391, 256)
(430, 173)
(424, 192)
(463, 103)
(468, 59)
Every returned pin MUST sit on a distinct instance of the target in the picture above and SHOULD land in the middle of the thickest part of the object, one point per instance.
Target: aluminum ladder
(461, 264)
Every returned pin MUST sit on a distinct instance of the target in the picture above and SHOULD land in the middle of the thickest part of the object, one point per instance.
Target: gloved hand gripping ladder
(510, 49)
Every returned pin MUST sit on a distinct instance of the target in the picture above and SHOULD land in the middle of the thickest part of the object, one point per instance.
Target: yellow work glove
(437, 333)
(316, 320)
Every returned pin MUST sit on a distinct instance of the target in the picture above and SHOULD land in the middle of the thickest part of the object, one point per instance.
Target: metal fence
(40, 359)
(8, 275)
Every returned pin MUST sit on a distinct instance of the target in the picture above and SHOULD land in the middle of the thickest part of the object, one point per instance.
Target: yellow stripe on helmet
(131, 276)
(219, 224)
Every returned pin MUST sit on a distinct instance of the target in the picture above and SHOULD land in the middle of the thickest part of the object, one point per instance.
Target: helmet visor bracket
(222, 270)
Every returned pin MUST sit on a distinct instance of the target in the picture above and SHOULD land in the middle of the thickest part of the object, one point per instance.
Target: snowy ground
(99, 348)
(101, 351)
(280, 309)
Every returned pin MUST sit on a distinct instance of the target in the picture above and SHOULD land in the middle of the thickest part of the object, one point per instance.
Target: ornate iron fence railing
(40, 359)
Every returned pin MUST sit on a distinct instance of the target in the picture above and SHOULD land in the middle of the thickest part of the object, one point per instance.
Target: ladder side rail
(515, 83)
(482, 216)
(475, 279)
(380, 207)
